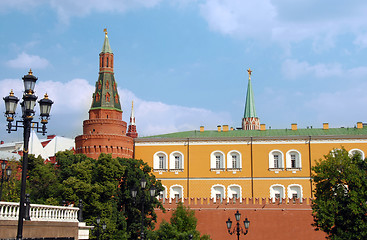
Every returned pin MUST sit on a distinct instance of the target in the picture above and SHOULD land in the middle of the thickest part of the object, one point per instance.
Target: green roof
(266, 133)
(250, 110)
(106, 46)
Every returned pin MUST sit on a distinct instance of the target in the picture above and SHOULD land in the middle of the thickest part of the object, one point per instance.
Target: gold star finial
(105, 31)
(249, 73)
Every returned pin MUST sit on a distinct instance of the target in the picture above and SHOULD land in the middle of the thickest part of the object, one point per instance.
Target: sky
(184, 62)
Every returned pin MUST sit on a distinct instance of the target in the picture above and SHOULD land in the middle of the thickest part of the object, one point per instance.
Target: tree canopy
(104, 186)
(182, 224)
(340, 204)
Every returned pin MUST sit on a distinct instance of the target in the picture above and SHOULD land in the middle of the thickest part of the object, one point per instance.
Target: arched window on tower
(108, 96)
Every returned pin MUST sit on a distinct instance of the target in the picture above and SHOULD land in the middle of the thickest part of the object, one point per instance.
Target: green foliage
(11, 188)
(340, 206)
(134, 171)
(182, 224)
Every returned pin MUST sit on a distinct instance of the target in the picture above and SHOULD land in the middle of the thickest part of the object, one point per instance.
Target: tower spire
(106, 95)
(250, 120)
(132, 127)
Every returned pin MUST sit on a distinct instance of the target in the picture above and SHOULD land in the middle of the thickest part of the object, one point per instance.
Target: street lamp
(27, 105)
(238, 229)
(134, 192)
(8, 173)
(104, 226)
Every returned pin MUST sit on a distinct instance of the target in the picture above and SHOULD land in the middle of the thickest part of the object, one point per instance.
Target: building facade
(252, 162)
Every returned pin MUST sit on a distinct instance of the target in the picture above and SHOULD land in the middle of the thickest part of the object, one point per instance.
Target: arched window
(160, 161)
(277, 191)
(356, 151)
(235, 192)
(176, 161)
(163, 194)
(217, 161)
(276, 160)
(218, 192)
(293, 160)
(295, 191)
(234, 160)
(176, 192)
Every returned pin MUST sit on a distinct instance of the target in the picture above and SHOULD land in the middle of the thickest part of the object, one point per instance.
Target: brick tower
(250, 121)
(132, 127)
(104, 131)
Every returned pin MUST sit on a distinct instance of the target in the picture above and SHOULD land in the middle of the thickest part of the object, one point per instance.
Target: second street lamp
(8, 173)
(27, 105)
(238, 229)
(134, 192)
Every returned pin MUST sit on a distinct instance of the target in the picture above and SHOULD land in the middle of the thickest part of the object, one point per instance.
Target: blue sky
(184, 62)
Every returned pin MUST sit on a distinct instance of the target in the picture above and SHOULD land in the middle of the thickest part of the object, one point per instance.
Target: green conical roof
(106, 95)
(250, 110)
(106, 45)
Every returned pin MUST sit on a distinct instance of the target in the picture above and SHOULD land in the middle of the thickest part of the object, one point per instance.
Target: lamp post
(8, 173)
(238, 229)
(27, 105)
(104, 226)
(134, 192)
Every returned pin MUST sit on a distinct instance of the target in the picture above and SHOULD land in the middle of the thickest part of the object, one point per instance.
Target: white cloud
(287, 21)
(293, 69)
(72, 101)
(341, 108)
(158, 118)
(70, 8)
(27, 61)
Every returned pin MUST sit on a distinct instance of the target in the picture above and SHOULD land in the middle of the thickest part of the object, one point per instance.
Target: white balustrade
(38, 212)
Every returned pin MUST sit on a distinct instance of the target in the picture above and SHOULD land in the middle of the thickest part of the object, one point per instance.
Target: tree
(182, 224)
(340, 207)
(134, 171)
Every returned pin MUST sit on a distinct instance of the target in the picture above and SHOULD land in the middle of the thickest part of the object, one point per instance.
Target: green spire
(250, 110)
(106, 45)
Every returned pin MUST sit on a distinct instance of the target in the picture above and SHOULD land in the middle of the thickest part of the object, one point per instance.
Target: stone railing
(10, 211)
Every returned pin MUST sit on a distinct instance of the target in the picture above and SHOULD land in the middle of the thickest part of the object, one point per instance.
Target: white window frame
(351, 152)
(292, 191)
(289, 160)
(172, 161)
(218, 189)
(280, 160)
(156, 160)
(213, 161)
(173, 191)
(231, 190)
(273, 192)
(164, 192)
(230, 160)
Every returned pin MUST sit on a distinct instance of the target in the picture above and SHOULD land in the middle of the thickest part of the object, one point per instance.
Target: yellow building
(228, 163)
